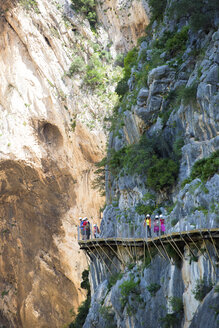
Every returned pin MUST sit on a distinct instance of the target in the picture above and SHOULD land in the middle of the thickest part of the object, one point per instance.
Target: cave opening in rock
(51, 135)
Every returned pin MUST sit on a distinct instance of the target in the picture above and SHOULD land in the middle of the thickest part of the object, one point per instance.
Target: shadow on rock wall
(35, 288)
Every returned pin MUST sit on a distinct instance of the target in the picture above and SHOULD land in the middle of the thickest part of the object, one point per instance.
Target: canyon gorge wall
(51, 135)
(163, 158)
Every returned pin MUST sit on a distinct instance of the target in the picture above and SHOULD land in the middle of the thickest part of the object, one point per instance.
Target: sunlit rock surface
(46, 167)
(125, 21)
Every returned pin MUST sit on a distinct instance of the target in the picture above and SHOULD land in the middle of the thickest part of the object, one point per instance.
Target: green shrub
(204, 168)
(113, 279)
(177, 43)
(77, 66)
(169, 320)
(172, 319)
(177, 147)
(85, 284)
(188, 94)
(157, 9)
(153, 288)
(144, 209)
(84, 307)
(176, 304)
(193, 258)
(129, 61)
(147, 157)
(128, 286)
(200, 13)
(122, 87)
(108, 315)
(100, 173)
(88, 8)
(163, 174)
(216, 289)
(202, 288)
(30, 4)
(160, 43)
(174, 222)
(95, 72)
(155, 60)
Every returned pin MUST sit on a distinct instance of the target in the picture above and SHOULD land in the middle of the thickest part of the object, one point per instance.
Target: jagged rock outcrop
(160, 293)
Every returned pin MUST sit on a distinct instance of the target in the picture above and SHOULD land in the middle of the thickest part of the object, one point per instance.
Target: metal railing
(139, 230)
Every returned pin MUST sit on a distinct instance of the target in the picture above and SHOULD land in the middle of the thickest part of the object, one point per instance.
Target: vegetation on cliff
(88, 8)
(84, 307)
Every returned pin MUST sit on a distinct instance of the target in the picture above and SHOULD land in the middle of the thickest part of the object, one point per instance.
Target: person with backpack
(162, 225)
(81, 228)
(147, 224)
(86, 225)
(156, 225)
(96, 231)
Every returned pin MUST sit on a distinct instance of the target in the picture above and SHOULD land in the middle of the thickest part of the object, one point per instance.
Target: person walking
(86, 225)
(162, 225)
(156, 225)
(83, 231)
(147, 224)
(96, 231)
(81, 228)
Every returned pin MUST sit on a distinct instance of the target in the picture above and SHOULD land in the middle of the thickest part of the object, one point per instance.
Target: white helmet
(148, 215)
(95, 225)
(84, 219)
(156, 217)
(161, 216)
(80, 218)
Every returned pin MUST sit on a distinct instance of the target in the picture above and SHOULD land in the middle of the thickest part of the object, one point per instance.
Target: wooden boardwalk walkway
(179, 237)
(104, 249)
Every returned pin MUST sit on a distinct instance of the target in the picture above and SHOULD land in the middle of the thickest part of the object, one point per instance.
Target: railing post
(78, 232)
(91, 231)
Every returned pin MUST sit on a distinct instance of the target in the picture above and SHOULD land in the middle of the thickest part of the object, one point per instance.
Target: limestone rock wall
(125, 21)
(196, 124)
(46, 163)
(142, 296)
(157, 105)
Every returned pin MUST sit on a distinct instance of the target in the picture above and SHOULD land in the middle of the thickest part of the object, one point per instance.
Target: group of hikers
(158, 227)
(85, 229)
(158, 223)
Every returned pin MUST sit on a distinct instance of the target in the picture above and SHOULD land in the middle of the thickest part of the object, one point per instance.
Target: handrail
(145, 238)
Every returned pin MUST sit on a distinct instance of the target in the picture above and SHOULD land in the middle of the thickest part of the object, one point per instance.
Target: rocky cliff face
(125, 21)
(169, 111)
(46, 165)
(162, 294)
(165, 123)
(51, 134)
